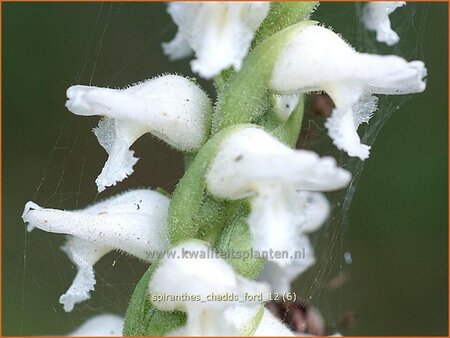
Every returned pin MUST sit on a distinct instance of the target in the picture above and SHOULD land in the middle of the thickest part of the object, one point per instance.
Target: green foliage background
(397, 232)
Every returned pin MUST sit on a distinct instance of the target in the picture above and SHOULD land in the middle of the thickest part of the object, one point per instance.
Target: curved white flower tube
(105, 325)
(318, 59)
(278, 180)
(189, 280)
(170, 107)
(134, 222)
(219, 33)
(376, 18)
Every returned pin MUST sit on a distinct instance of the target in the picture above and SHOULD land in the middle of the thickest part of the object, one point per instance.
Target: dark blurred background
(396, 232)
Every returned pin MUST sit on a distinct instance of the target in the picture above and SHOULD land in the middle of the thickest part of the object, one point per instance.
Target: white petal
(194, 270)
(318, 59)
(311, 209)
(285, 105)
(342, 130)
(220, 33)
(84, 255)
(134, 222)
(365, 108)
(376, 18)
(116, 137)
(101, 325)
(170, 107)
(281, 276)
(178, 48)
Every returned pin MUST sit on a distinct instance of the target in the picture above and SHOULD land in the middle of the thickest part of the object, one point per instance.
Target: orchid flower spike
(376, 18)
(219, 33)
(170, 107)
(278, 180)
(106, 325)
(134, 222)
(318, 59)
(194, 270)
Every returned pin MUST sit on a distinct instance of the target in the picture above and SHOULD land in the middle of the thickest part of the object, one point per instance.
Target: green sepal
(210, 219)
(143, 319)
(251, 327)
(188, 199)
(236, 237)
(281, 15)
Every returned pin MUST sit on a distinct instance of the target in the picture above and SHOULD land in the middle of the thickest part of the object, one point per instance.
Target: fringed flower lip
(376, 18)
(218, 33)
(133, 222)
(170, 107)
(201, 278)
(280, 183)
(317, 59)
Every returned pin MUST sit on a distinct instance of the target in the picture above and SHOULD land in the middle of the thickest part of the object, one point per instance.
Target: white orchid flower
(106, 325)
(219, 33)
(376, 18)
(190, 280)
(170, 107)
(318, 59)
(251, 163)
(134, 222)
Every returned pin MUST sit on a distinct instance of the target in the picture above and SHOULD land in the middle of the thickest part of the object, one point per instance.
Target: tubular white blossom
(219, 33)
(376, 18)
(170, 107)
(134, 222)
(194, 271)
(106, 325)
(251, 163)
(318, 59)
